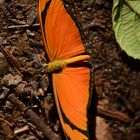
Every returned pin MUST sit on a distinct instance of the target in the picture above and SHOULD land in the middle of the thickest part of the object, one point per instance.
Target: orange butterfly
(66, 51)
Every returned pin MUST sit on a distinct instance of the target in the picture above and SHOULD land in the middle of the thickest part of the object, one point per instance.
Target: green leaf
(127, 26)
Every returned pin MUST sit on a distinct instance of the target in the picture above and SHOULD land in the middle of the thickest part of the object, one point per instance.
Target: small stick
(114, 114)
(11, 59)
(21, 130)
(19, 22)
(21, 26)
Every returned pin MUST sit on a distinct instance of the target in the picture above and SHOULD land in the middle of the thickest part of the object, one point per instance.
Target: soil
(26, 96)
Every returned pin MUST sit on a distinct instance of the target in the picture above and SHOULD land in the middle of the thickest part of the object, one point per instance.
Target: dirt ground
(27, 107)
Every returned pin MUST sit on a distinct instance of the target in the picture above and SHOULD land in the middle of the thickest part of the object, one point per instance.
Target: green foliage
(126, 24)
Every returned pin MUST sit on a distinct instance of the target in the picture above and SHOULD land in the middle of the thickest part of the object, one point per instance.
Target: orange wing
(61, 36)
(71, 86)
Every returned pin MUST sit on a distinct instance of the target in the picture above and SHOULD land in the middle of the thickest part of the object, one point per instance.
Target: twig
(11, 59)
(21, 26)
(19, 22)
(21, 130)
(114, 114)
(24, 5)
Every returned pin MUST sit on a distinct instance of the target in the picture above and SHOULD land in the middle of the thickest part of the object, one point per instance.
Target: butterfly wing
(71, 86)
(61, 36)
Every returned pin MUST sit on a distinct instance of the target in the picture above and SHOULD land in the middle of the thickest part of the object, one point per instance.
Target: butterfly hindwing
(71, 91)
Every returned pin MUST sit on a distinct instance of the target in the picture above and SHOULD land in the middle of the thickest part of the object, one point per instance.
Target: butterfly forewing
(61, 36)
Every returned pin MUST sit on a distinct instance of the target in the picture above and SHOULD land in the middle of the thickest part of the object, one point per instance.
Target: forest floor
(27, 106)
